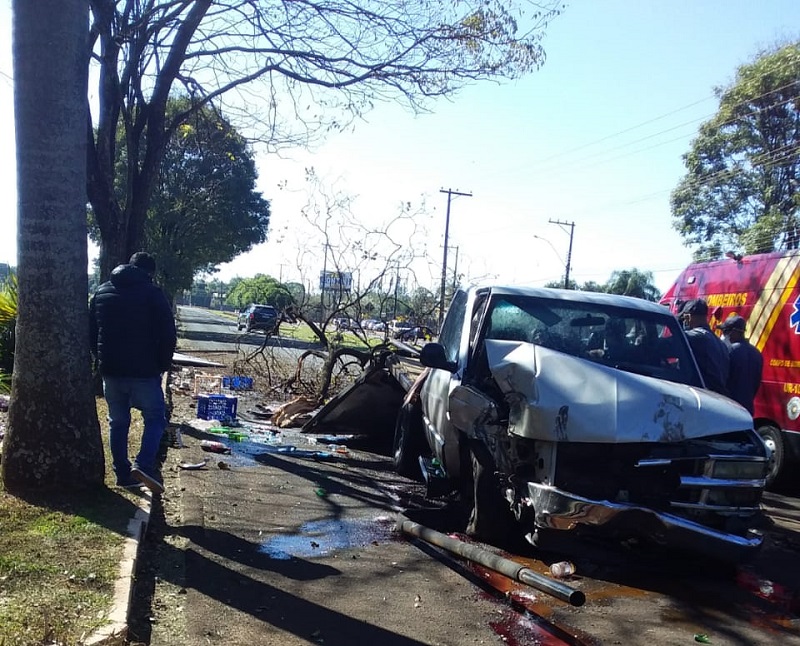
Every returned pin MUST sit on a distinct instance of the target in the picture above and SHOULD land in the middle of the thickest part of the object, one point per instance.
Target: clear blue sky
(595, 137)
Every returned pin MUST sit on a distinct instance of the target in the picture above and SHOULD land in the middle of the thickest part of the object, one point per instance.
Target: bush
(8, 322)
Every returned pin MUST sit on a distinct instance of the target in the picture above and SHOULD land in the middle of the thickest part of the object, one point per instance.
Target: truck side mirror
(432, 355)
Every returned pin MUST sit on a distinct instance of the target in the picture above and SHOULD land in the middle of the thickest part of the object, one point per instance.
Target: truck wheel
(772, 438)
(490, 519)
(409, 442)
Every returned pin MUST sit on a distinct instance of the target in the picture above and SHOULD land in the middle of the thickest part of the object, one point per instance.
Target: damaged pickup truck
(559, 411)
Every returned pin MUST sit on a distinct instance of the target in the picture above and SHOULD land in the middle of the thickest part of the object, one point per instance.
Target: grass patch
(60, 558)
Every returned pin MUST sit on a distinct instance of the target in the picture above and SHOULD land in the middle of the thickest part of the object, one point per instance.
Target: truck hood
(558, 397)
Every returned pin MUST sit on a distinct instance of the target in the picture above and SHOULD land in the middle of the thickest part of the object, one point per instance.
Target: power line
(570, 165)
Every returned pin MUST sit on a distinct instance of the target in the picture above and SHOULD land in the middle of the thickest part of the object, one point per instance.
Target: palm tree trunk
(53, 440)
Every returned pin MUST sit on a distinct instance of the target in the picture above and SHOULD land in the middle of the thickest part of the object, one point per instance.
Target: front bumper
(560, 510)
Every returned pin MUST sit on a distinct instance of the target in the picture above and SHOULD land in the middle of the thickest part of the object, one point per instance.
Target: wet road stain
(323, 537)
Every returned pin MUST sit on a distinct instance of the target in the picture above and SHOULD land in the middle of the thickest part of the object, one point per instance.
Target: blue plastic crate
(237, 383)
(221, 407)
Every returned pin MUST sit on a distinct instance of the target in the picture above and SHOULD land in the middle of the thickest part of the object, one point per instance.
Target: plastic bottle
(562, 569)
(214, 447)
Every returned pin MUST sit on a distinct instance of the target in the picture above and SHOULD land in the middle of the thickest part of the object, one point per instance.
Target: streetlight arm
(555, 251)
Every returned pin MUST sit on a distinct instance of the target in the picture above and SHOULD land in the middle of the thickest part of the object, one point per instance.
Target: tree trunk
(53, 439)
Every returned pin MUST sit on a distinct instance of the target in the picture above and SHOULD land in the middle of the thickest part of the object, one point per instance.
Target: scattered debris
(193, 466)
(237, 383)
(294, 413)
(214, 447)
(562, 569)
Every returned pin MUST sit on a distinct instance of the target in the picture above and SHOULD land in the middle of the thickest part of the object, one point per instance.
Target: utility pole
(455, 272)
(324, 275)
(450, 194)
(571, 226)
(396, 286)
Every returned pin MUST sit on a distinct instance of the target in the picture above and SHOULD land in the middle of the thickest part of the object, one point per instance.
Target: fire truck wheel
(408, 442)
(772, 438)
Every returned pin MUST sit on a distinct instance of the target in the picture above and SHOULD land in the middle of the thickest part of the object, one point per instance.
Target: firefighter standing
(709, 350)
(746, 363)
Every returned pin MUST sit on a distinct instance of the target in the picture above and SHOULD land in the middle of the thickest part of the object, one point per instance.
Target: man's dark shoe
(147, 479)
(128, 483)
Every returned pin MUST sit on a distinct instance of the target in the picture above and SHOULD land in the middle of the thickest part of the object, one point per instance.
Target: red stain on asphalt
(776, 605)
(521, 630)
(528, 624)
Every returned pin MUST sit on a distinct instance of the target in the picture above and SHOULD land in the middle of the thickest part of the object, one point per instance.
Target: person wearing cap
(133, 337)
(709, 350)
(746, 362)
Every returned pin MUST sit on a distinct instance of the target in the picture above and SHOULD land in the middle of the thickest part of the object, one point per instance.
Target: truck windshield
(643, 342)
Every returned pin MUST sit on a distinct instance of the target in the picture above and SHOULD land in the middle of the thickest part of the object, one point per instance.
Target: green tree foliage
(626, 282)
(205, 209)
(260, 289)
(632, 282)
(8, 322)
(559, 284)
(318, 65)
(423, 304)
(297, 291)
(740, 192)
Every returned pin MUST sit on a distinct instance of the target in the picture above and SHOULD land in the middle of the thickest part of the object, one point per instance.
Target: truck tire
(409, 442)
(490, 518)
(774, 441)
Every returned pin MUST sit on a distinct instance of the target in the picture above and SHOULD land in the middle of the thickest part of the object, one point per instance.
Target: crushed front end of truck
(588, 448)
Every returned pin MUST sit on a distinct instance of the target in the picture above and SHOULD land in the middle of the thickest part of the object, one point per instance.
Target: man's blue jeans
(146, 395)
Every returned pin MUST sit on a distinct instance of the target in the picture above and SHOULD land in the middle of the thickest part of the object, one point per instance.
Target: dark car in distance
(258, 317)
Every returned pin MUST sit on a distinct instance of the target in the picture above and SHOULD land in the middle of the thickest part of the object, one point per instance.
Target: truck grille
(693, 479)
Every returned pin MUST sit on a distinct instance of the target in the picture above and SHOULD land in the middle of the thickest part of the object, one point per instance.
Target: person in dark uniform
(746, 362)
(709, 350)
(133, 337)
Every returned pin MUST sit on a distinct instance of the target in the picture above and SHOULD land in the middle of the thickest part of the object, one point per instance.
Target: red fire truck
(765, 290)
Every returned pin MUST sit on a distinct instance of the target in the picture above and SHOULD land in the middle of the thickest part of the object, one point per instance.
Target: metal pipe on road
(483, 557)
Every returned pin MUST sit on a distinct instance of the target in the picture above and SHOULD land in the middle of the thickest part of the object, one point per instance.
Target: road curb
(115, 632)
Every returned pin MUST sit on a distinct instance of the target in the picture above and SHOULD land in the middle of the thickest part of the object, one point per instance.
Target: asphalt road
(202, 330)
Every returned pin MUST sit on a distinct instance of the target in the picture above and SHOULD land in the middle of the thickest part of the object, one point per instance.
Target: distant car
(258, 317)
(418, 333)
(399, 327)
(345, 323)
(367, 324)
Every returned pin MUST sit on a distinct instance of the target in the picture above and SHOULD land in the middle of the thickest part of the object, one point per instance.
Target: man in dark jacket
(747, 363)
(709, 350)
(133, 338)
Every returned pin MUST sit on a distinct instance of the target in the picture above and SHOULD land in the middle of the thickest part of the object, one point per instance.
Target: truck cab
(560, 411)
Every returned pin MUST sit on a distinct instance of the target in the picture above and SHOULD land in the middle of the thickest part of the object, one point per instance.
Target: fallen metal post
(494, 562)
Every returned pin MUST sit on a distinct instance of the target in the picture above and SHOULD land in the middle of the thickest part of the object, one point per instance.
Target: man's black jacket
(131, 325)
